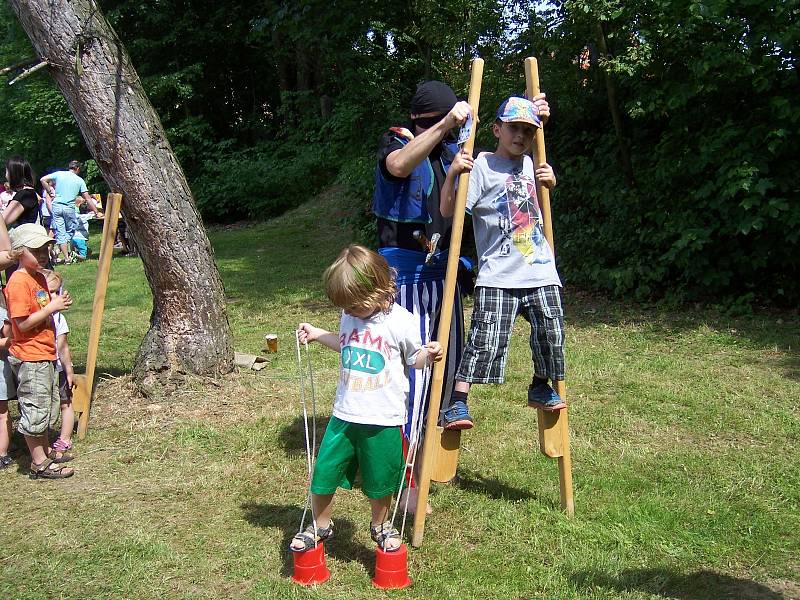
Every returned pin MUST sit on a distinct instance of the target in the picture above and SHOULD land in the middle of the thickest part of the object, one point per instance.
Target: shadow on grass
(699, 585)
(473, 482)
(293, 439)
(342, 546)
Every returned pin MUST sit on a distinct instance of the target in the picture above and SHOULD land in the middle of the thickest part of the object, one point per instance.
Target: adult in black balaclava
(411, 170)
(435, 112)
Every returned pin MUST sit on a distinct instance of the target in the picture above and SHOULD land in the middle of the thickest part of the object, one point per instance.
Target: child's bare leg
(322, 507)
(67, 421)
(380, 514)
(5, 428)
(380, 509)
(37, 446)
(462, 386)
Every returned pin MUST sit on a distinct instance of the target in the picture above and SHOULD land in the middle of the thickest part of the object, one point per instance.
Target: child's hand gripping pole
(431, 443)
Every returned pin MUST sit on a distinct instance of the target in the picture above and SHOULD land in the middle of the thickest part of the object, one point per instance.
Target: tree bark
(189, 331)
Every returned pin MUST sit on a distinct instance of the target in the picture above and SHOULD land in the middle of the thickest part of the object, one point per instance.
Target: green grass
(685, 430)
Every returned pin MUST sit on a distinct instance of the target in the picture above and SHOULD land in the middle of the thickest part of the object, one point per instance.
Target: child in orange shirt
(33, 349)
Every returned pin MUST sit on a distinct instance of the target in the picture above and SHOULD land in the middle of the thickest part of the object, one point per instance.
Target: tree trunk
(189, 331)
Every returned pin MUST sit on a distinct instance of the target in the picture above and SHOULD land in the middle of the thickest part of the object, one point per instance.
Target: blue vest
(406, 201)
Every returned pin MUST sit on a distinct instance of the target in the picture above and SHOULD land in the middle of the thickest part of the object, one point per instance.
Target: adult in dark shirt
(412, 165)
(24, 206)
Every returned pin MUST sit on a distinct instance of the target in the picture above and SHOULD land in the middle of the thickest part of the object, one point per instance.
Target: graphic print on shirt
(42, 298)
(364, 359)
(519, 219)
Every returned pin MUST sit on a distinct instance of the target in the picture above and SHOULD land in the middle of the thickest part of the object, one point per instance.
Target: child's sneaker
(457, 416)
(5, 461)
(544, 397)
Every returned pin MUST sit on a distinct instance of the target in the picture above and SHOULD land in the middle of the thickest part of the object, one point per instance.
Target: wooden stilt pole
(553, 427)
(433, 432)
(84, 384)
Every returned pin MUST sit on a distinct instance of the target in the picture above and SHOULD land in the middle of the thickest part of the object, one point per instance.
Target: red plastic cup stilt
(309, 566)
(391, 569)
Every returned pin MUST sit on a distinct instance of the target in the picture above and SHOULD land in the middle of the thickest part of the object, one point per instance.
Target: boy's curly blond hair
(360, 279)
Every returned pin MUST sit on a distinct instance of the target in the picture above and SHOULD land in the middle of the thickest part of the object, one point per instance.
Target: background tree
(189, 330)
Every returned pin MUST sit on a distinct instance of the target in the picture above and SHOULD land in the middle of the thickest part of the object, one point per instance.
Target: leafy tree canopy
(672, 130)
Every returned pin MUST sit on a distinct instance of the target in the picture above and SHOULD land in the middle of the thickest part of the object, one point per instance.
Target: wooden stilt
(433, 433)
(553, 427)
(84, 384)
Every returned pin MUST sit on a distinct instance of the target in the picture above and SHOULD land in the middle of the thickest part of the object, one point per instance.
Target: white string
(412, 452)
(311, 448)
(411, 456)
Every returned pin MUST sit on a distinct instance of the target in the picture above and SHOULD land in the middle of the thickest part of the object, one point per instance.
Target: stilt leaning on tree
(189, 331)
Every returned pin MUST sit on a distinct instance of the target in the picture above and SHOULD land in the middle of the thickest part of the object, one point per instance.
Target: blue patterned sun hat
(518, 110)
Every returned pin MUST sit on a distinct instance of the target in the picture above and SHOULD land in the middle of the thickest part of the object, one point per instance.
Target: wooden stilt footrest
(551, 437)
(447, 458)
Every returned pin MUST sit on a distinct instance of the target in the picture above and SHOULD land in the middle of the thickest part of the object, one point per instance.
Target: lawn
(684, 423)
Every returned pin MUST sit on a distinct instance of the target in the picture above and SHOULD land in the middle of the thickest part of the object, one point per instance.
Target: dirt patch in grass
(221, 401)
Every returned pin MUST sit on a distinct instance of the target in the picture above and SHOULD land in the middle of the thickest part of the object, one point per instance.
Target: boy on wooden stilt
(516, 266)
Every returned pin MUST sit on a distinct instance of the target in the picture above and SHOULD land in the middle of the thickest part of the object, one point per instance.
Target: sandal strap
(383, 532)
(61, 445)
(309, 539)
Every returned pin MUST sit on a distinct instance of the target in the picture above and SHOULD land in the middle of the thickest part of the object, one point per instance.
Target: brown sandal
(49, 469)
(59, 456)
(383, 533)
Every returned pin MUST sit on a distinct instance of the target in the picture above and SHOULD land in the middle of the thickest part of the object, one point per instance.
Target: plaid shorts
(37, 394)
(484, 358)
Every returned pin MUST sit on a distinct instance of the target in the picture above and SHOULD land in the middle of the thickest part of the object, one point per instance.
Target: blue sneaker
(544, 397)
(457, 416)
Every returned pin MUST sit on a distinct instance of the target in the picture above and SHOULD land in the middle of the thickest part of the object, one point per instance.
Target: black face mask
(427, 122)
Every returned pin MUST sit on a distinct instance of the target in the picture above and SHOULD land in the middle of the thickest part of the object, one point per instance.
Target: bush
(260, 182)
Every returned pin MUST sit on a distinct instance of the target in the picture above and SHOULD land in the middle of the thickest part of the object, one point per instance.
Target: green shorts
(375, 450)
(37, 394)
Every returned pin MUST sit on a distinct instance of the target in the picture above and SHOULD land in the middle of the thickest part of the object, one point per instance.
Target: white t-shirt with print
(512, 250)
(375, 355)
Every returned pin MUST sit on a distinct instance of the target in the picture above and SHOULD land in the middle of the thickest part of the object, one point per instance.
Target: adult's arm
(7, 257)
(92, 204)
(402, 162)
(10, 215)
(48, 188)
